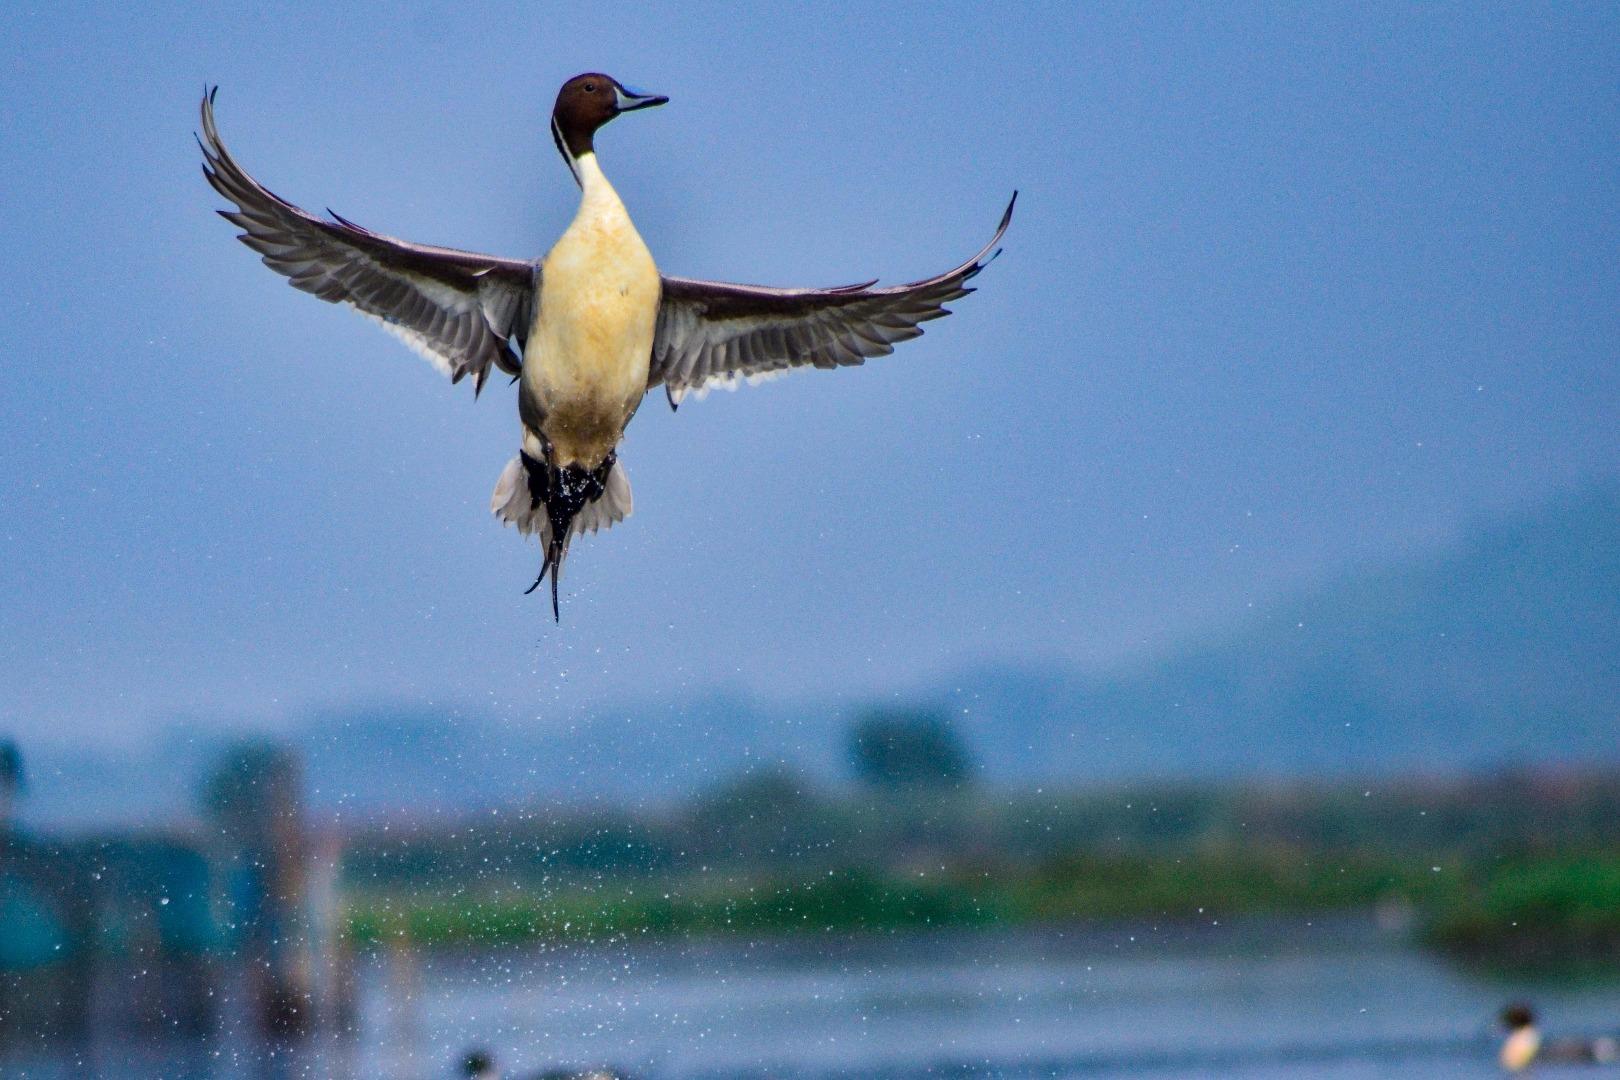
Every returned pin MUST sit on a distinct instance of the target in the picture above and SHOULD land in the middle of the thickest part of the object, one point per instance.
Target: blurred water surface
(1262, 999)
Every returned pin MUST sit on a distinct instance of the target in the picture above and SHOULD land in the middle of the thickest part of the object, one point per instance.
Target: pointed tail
(559, 504)
(555, 550)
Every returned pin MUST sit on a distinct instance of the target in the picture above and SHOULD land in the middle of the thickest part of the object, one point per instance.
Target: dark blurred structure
(76, 916)
(11, 779)
(46, 918)
(908, 749)
(158, 930)
(253, 798)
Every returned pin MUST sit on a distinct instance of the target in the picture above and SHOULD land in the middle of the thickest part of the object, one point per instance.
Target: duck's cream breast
(589, 350)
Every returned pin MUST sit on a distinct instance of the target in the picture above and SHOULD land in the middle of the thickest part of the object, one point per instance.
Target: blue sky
(1290, 289)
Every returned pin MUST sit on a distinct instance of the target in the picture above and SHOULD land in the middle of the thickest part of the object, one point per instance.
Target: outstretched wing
(713, 334)
(456, 308)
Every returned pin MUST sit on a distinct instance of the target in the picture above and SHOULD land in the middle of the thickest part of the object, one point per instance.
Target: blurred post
(283, 904)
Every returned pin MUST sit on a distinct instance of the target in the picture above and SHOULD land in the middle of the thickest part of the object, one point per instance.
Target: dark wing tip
(1006, 215)
(989, 252)
(204, 110)
(1006, 219)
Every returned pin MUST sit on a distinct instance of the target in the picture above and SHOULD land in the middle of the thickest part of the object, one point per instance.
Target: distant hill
(1503, 649)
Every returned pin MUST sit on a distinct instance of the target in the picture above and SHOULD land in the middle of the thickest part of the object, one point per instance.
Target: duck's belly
(589, 350)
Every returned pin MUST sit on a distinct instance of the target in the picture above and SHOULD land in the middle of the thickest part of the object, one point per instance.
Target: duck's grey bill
(627, 100)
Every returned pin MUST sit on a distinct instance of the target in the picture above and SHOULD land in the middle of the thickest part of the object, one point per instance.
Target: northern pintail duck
(586, 331)
(1525, 1046)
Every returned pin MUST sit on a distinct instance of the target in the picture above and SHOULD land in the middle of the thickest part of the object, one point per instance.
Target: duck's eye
(590, 88)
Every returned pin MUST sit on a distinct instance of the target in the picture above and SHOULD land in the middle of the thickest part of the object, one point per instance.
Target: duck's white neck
(597, 199)
(588, 171)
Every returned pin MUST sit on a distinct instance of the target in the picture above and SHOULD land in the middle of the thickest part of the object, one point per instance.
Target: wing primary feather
(458, 308)
(712, 334)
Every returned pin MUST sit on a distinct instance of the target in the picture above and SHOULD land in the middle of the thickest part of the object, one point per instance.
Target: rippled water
(1255, 999)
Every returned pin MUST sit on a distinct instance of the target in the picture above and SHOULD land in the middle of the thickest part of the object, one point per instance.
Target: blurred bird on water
(1525, 1046)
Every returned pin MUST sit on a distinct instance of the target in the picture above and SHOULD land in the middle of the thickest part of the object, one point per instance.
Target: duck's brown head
(1518, 1015)
(588, 101)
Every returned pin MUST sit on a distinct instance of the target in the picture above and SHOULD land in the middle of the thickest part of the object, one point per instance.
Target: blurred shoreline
(1517, 870)
(1275, 997)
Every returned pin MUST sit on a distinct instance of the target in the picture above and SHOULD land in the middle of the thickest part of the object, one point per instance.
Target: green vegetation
(1537, 912)
(1230, 883)
(1076, 888)
(852, 901)
(1517, 869)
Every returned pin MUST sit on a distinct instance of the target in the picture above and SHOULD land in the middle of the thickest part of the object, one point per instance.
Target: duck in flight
(586, 331)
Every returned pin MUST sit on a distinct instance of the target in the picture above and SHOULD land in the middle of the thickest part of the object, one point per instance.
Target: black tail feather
(551, 564)
(564, 492)
(555, 556)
